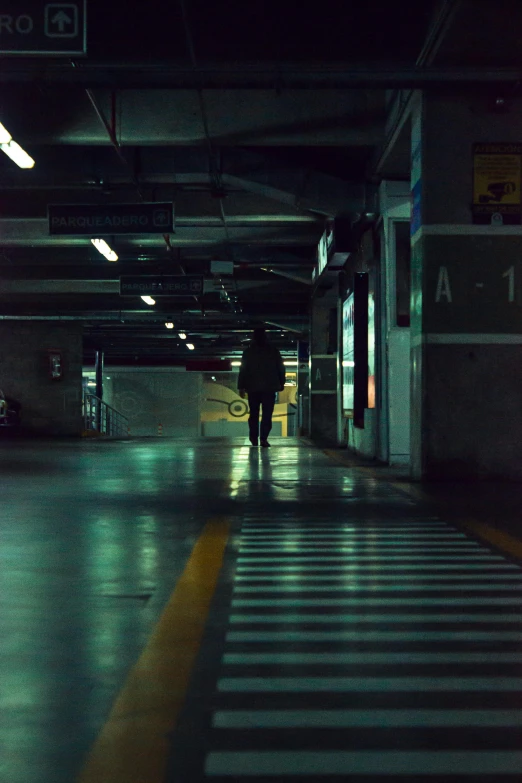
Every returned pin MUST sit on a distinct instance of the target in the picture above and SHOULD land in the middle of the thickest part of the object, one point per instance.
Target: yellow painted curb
(133, 745)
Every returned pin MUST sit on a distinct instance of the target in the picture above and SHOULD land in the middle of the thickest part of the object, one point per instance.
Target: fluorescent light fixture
(103, 248)
(5, 136)
(235, 364)
(182, 336)
(290, 362)
(190, 346)
(348, 364)
(169, 325)
(17, 154)
(149, 300)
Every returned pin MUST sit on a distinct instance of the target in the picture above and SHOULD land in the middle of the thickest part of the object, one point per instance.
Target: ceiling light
(5, 136)
(190, 346)
(235, 364)
(169, 325)
(17, 154)
(348, 364)
(182, 336)
(290, 362)
(103, 248)
(149, 300)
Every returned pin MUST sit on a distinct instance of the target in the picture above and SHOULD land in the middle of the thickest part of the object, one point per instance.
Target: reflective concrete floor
(353, 632)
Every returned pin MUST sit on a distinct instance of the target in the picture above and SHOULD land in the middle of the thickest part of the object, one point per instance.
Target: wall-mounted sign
(106, 219)
(323, 374)
(48, 29)
(334, 247)
(348, 355)
(164, 285)
(496, 183)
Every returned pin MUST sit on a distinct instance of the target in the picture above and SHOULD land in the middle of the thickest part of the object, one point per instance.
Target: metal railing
(100, 417)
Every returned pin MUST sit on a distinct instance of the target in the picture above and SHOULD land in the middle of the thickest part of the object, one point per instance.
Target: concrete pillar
(466, 304)
(324, 376)
(51, 406)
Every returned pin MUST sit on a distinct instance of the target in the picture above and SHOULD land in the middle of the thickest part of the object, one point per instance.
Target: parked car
(10, 411)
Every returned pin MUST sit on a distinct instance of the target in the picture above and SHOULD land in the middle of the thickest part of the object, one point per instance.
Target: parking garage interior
(176, 604)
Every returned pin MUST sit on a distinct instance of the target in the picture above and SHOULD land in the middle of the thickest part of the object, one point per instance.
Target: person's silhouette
(261, 375)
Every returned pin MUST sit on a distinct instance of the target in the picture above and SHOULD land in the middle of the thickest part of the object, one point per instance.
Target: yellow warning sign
(497, 181)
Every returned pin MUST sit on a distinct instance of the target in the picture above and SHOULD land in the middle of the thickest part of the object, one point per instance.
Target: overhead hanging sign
(107, 219)
(46, 29)
(497, 177)
(161, 285)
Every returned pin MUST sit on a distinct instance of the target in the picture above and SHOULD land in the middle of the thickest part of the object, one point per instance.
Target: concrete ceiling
(258, 121)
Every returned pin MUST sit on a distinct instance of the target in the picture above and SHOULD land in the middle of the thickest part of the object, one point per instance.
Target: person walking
(261, 375)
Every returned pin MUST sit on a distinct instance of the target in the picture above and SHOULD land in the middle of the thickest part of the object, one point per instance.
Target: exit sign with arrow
(43, 29)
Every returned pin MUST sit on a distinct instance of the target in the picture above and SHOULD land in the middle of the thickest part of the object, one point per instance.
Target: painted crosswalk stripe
(376, 553)
(371, 558)
(356, 535)
(360, 529)
(363, 602)
(367, 658)
(368, 684)
(362, 573)
(276, 637)
(435, 539)
(514, 586)
(271, 763)
(339, 719)
(284, 617)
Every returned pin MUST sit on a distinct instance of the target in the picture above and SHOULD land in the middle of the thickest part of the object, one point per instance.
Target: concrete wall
(49, 406)
(149, 398)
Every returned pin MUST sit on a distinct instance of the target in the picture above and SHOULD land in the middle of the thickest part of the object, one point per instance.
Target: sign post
(43, 29)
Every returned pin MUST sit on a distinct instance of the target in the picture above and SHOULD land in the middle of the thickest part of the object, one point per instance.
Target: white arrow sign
(61, 20)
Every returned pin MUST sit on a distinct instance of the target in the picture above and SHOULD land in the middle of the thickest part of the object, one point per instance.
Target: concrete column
(51, 406)
(466, 303)
(324, 384)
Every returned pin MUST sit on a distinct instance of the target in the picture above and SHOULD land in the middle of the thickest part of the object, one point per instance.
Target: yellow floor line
(133, 745)
(497, 538)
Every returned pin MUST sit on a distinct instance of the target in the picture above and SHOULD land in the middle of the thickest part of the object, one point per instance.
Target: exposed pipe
(111, 132)
(289, 275)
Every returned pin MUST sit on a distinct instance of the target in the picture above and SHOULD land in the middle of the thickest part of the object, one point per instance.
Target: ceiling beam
(194, 232)
(254, 76)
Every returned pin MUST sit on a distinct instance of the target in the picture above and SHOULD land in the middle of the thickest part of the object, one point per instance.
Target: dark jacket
(262, 369)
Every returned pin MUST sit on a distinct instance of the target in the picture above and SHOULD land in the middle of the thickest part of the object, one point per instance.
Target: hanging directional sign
(106, 219)
(46, 29)
(164, 285)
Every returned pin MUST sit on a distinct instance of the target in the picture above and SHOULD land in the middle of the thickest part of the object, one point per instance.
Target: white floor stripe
(376, 552)
(368, 658)
(362, 603)
(337, 568)
(385, 539)
(369, 684)
(393, 587)
(355, 572)
(340, 719)
(389, 618)
(381, 763)
(375, 557)
(360, 529)
(373, 636)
